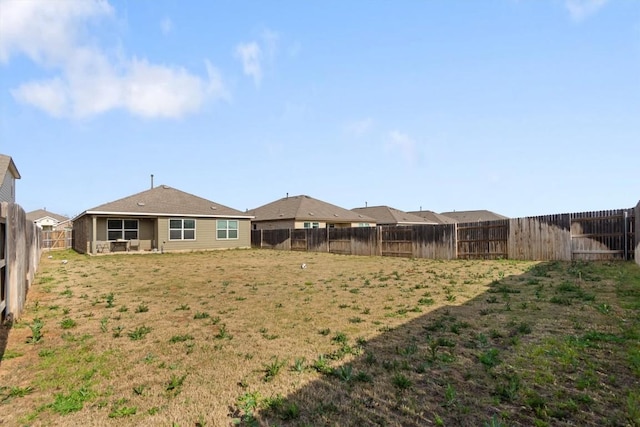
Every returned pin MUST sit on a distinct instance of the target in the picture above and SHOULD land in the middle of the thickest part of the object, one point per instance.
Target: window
(227, 229)
(311, 225)
(122, 229)
(364, 224)
(182, 229)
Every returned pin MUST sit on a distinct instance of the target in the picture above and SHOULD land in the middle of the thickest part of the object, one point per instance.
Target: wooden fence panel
(434, 241)
(483, 239)
(273, 239)
(299, 240)
(3, 264)
(600, 235)
(636, 229)
(56, 239)
(21, 248)
(540, 238)
(317, 239)
(366, 241)
(340, 241)
(396, 241)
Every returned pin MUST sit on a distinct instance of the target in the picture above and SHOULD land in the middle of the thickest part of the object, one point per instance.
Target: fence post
(636, 236)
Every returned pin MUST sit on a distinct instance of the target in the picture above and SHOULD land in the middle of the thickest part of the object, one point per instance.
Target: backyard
(263, 337)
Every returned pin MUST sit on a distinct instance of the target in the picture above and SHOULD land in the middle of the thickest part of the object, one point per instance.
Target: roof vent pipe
(287, 195)
(152, 181)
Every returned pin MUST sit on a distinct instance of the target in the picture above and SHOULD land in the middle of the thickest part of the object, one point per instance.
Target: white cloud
(403, 144)
(88, 81)
(166, 25)
(359, 127)
(251, 55)
(581, 9)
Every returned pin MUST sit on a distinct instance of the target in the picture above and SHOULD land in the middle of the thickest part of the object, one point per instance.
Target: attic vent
(140, 203)
(166, 187)
(360, 216)
(213, 208)
(335, 215)
(311, 213)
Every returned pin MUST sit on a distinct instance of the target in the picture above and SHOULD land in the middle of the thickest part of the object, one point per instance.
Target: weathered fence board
(354, 241)
(299, 240)
(601, 235)
(271, 239)
(483, 239)
(318, 239)
(587, 235)
(21, 243)
(396, 241)
(636, 229)
(434, 241)
(540, 238)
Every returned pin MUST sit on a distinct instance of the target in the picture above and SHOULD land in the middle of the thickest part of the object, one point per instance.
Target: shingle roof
(42, 213)
(305, 208)
(7, 165)
(433, 217)
(391, 216)
(164, 200)
(473, 216)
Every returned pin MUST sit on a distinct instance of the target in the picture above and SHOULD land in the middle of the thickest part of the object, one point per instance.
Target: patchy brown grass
(249, 337)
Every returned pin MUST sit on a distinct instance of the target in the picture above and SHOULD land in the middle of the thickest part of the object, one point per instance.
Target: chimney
(152, 181)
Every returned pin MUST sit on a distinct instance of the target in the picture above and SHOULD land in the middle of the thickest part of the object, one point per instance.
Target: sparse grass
(447, 343)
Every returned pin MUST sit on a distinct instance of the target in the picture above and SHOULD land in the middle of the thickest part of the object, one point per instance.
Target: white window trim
(182, 220)
(123, 230)
(237, 229)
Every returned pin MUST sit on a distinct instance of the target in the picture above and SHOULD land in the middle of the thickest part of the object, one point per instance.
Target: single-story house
(432, 216)
(8, 174)
(160, 219)
(306, 212)
(48, 220)
(386, 215)
(473, 216)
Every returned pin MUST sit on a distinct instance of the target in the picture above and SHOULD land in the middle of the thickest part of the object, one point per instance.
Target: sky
(521, 107)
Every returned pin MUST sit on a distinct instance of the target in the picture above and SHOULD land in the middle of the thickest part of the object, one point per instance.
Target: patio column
(94, 230)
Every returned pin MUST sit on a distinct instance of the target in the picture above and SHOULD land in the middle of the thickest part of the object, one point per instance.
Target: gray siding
(205, 236)
(7, 190)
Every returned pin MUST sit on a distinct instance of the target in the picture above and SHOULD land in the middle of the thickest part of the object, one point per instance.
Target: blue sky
(522, 107)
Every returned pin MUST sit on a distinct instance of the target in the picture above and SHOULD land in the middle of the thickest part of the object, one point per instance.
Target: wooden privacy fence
(20, 250)
(601, 235)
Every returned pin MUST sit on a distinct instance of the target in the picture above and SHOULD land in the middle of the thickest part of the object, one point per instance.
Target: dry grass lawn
(249, 337)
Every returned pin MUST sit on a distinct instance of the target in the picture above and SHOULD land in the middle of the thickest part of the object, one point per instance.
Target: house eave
(158, 214)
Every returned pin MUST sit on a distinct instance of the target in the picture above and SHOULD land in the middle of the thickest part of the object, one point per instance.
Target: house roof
(165, 201)
(7, 165)
(433, 217)
(305, 208)
(473, 216)
(389, 215)
(43, 213)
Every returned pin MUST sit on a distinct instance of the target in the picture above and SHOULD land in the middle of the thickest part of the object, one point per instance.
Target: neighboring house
(163, 219)
(8, 173)
(433, 217)
(306, 212)
(473, 216)
(49, 221)
(385, 215)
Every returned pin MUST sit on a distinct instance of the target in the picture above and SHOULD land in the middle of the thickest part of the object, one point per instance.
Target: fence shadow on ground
(442, 368)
